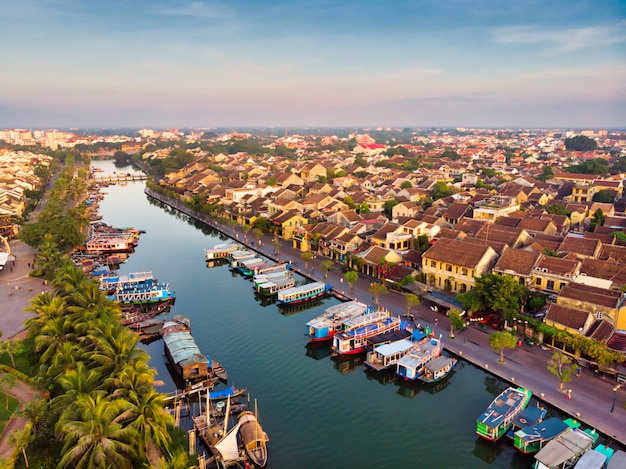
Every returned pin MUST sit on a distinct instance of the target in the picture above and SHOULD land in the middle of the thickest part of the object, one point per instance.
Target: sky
(348, 63)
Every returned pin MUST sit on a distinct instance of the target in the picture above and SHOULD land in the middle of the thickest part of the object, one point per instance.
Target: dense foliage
(580, 143)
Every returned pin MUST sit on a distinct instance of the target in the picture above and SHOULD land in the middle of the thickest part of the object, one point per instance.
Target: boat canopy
(394, 347)
(228, 446)
(545, 430)
(438, 363)
(564, 448)
(229, 391)
(252, 435)
(183, 348)
(591, 460)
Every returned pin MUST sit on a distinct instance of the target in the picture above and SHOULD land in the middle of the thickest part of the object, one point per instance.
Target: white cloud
(563, 40)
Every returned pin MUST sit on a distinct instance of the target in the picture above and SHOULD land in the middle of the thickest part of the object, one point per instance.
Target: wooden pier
(192, 390)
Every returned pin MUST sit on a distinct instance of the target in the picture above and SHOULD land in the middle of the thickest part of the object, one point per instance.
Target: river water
(318, 412)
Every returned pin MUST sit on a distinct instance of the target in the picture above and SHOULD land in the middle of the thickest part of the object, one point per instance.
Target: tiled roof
(517, 261)
(583, 246)
(568, 317)
(557, 266)
(591, 295)
(457, 252)
(612, 252)
(607, 270)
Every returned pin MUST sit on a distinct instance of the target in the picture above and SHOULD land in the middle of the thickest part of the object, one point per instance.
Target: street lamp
(615, 389)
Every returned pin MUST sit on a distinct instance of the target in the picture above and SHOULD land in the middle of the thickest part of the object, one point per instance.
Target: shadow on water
(318, 350)
(384, 377)
(216, 263)
(486, 450)
(287, 310)
(346, 365)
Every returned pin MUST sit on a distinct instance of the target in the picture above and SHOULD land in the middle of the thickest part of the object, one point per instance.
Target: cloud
(199, 10)
(563, 40)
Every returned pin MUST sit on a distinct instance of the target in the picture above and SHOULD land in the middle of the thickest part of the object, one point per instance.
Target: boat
(526, 418)
(221, 407)
(352, 339)
(564, 451)
(112, 282)
(227, 393)
(143, 294)
(218, 370)
(384, 353)
(253, 437)
(222, 441)
(412, 364)
(437, 369)
(269, 277)
(499, 416)
(596, 458)
(185, 356)
(324, 326)
(302, 293)
(532, 438)
(240, 255)
(247, 267)
(220, 251)
(273, 268)
(272, 288)
(618, 460)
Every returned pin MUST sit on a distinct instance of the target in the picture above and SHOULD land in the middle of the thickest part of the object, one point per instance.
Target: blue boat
(356, 331)
(149, 292)
(230, 391)
(324, 326)
(412, 365)
(383, 353)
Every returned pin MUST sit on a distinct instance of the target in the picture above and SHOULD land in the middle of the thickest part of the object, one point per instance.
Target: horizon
(206, 64)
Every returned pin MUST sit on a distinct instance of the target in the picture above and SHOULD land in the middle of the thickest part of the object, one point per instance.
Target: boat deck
(506, 403)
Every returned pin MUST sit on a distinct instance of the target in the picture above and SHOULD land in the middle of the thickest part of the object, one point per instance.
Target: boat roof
(545, 430)
(438, 363)
(592, 459)
(365, 319)
(420, 351)
(618, 460)
(303, 288)
(183, 348)
(394, 347)
(388, 337)
(509, 400)
(529, 416)
(277, 283)
(565, 447)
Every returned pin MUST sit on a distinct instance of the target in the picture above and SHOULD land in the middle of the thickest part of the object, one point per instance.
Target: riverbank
(526, 366)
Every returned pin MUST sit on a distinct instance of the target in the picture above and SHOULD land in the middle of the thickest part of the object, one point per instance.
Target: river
(318, 412)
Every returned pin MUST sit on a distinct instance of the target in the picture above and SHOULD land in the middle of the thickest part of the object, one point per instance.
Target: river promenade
(593, 394)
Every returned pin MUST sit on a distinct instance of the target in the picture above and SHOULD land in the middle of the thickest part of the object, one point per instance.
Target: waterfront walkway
(593, 394)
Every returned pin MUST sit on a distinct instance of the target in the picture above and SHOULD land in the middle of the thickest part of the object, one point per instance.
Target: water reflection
(345, 365)
(216, 263)
(287, 310)
(318, 350)
(384, 377)
(486, 450)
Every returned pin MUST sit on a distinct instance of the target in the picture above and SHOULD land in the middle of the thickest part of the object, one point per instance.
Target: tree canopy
(580, 143)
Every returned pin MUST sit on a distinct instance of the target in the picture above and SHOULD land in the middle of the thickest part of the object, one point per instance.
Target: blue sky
(480, 63)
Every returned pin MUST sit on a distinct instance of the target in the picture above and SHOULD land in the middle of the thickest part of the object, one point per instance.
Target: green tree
(603, 196)
(7, 381)
(364, 208)
(306, 256)
(456, 321)
(351, 277)
(406, 185)
(388, 207)
(561, 366)
(547, 173)
(377, 289)
(501, 293)
(450, 153)
(349, 201)
(326, 265)
(501, 340)
(441, 190)
(410, 300)
(262, 223)
(11, 347)
(597, 219)
(271, 181)
(557, 209)
(580, 143)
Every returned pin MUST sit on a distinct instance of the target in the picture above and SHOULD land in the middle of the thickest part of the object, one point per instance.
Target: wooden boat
(356, 331)
(597, 458)
(218, 370)
(133, 314)
(221, 441)
(272, 288)
(220, 251)
(532, 438)
(498, 417)
(185, 356)
(526, 418)
(564, 451)
(219, 409)
(253, 437)
(437, 369)
(324, 326)
(412, 364)
(383, 353)
(302, 293)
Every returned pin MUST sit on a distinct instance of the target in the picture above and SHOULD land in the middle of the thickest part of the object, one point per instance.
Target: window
(433, 264)
(537, 281)
(598, 314)
(448, 268)
(550, 285)
(562, 285)
(464, 271)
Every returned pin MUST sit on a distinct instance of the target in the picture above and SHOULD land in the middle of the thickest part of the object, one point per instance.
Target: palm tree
(69, 280)
(46, 307)
(138, 379)
(75, 383)
(95, 438)
(149, 419)
(116, 348)
(55, 332)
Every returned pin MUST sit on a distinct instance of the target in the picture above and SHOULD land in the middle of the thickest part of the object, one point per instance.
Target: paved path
(592, 395)
(24, 393)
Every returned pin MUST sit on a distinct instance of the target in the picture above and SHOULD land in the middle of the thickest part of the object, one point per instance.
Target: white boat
(303, 293)
(324, 326)
(272, 288)
(355, 332)
(220, 251)
(412, 364)
(388, 354)
(565, 450)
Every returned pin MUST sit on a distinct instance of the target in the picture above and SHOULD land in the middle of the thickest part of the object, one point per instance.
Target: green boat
(532, 438)
(499, 416)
